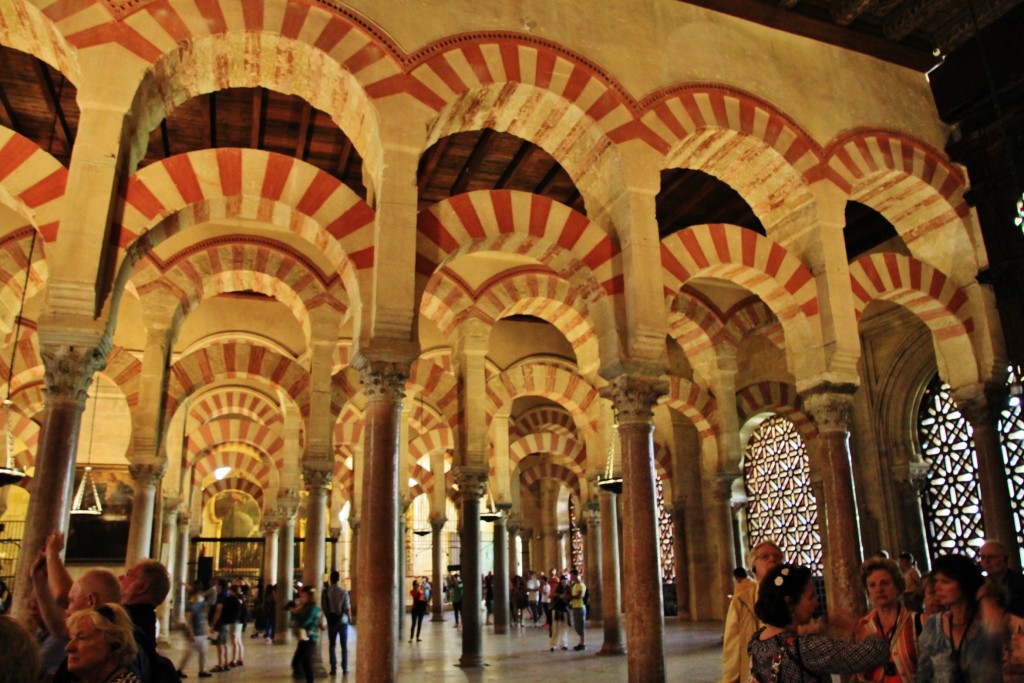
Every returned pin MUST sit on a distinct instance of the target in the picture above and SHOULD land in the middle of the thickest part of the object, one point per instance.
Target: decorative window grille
(575, 538)
(781, 506)
(666, 537)
(1011, 432)
(952, 498)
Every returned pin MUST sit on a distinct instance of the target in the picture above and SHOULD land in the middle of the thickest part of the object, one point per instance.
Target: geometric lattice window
(951, 501)
(1011, 432)
(780, 504)
(575, 538)
(666, 536)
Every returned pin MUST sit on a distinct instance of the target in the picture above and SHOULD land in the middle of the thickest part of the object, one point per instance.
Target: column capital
(437, 524)
(184, 519)
(633, 397)
(147, 473)
(68, 370)
(171, 505)
(721, 487)
(353, 524)
(977, 406)
(831, 405)
(472, 481)
(525, 533)
(317, 475)
(271, 523)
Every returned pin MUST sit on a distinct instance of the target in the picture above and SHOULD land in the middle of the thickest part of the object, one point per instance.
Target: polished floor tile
(692, 655)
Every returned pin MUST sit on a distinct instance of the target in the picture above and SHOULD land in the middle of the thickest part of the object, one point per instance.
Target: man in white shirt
(533, 597)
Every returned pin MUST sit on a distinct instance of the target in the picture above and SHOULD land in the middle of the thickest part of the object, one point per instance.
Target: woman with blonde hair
(102, 645)
(21, 654)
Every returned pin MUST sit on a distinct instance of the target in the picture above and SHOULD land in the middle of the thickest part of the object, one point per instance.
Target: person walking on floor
(579, 608)
(338, 609)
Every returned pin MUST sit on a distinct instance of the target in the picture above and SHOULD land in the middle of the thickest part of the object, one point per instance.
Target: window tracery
(1011, 435)
(666, 537)
(575, 537)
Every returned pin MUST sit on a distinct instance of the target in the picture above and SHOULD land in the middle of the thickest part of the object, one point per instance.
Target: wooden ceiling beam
(53, 104)
(521, 156)
(343, 156)
(846, 11)
(211, 102)
(686, 205)
(549, 177)
(483, 145)
(259, 102)
(430, 165)
(165, 138)
(7, 116)
(302, 141)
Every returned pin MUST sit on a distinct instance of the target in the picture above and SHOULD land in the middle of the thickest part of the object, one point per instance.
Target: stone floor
(692, 655)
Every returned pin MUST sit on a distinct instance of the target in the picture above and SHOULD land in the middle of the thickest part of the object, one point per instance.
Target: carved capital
(633, 398)
(437, 525)
(271, 523)
(184, 519)
(353, 524)
(317, 475)
(978, 409)
(384, 380)
(593, 516)
(68, 371)
(831, 405)
(472, 482)
(526, 534)
(147, 474)
(721, 487)
(172, 506)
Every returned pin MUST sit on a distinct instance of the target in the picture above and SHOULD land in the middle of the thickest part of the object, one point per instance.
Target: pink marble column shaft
(437, 554)
(611, 588)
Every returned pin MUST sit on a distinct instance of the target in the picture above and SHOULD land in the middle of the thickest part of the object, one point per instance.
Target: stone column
(982, 412)
(633, 399)
(285, 574)
(681, 564)
(611, 587)
(269, 528)
(314, 550)
(471, 487)
(146, 476)
(376, 653)
(169, 556)
(832, 408)
(595, 575)
(910, 480)
(179, 575)
(501, 577)
(436, 556)
(525, 535)
(353, 563)
(403, 565)
(512, 527)
(335, 547)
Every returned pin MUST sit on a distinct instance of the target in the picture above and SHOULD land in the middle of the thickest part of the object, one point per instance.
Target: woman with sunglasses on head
(778, 654)
(102, 645)
(963, 643)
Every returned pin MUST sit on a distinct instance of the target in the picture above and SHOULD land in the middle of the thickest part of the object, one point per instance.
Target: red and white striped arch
(189, 189)
(519, 222)
(663, 469)
(125, 370)
(549, 379)
(26, 437)
(546, 419)
(243, 463)
(26, 28)
(692, 401)
(754, 262)
(31, 183)
(344, 481)
(348, 430)
(429, 442)
(562, 449)
(917, 190)
(434, 383)
(326, 70)
(695, 325)
(779, 398)
(344, 387)
(267, 440)
(239, 361)
(741, 140)
(28, 364)
(236, 402)
(14, 247)
(753, 315)
(931, 296)
(235, 484)
(549, 470)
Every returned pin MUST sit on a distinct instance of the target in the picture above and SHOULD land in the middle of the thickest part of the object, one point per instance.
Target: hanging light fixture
(87, 498)
(10, 473)
(611, 478)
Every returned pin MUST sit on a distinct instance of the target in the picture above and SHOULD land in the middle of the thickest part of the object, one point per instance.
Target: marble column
(595, 576)
(909, 481)
(501, 577)
(285, 574)
(269, 527)
(471, 487)
(564, 558)
(832, 408)
(436, 556)
(376, 651)
(633, 399)
(146, 476)
(335, 547)
(512, 528)
(353, 563)
(179, 575)
(681, 564)
(611, 584)
(169, 556)
(982, 412)
(317, 475)
(525, 535)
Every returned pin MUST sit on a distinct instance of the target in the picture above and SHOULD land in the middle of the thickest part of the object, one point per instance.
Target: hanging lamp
(489, 513)
(10, 473)
(611, 478)
(87, 497)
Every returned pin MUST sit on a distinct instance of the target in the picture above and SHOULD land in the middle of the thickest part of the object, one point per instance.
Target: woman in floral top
(787, 600)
